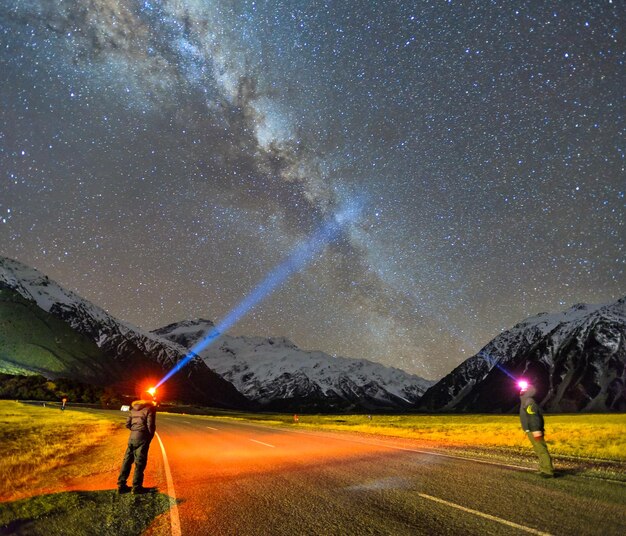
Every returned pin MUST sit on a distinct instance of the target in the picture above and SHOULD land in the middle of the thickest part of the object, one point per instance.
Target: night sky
(161, 157)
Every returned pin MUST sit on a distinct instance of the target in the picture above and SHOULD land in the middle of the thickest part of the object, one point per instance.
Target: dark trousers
(136, 452)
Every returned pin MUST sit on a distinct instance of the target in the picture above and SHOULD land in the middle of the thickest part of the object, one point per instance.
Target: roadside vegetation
(36, 387)
(36, 441)
(44, 447)
(41, 447)
(85, 513)
(593, 442)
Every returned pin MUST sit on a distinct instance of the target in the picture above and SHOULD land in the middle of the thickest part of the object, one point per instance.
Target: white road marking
(188, 422)
(477, 460)
(261, 443)
(373, 441)
(482, 514)
(174, 518)
(211, 428)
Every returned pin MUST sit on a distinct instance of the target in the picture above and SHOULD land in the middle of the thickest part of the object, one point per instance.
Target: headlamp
(523, 385)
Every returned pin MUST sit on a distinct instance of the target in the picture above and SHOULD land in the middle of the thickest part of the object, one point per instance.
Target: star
(162, 158)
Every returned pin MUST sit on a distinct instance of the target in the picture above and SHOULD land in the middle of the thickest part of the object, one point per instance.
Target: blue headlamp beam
(492, 362)
(298, 259)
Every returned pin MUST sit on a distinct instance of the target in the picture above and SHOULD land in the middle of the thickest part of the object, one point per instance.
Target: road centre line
(418, 451)
(436, 499)
(211, 428)
(261, 443)
(528, 530)
(174, 517)
(487, 516)
(385, 445)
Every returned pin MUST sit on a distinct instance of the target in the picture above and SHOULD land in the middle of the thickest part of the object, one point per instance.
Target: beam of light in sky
(493, 362)
(295, 262)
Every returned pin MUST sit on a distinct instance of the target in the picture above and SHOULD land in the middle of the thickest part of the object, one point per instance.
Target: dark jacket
(141, 420)
(530, 413)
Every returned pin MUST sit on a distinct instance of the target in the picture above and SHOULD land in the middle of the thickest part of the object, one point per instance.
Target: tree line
(37, 387)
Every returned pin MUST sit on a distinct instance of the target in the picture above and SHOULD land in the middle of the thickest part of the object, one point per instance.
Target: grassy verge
(593, 443)
(84, 513)
(38, 441)
(42, 449)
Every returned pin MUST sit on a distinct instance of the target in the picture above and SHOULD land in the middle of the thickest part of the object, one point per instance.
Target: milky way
(161, 157)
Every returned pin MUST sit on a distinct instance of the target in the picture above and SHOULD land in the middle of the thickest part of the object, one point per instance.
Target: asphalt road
(232, 478)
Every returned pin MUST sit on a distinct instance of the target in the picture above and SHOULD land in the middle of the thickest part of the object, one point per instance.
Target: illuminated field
(35, 441)
(58, 469)
(45, 452)
(589, 436)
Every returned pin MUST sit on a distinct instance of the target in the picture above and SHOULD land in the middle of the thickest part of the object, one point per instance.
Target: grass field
(589, 436)
(42, 449)
(35, 440)
(33, 339)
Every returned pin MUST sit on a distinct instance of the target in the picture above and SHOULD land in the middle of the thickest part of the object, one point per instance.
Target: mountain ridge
(121, 345)
(277, 374)
(132, 355)
(576, 358)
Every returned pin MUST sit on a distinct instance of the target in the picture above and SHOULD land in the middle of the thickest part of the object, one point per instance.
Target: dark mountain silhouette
(577, 360)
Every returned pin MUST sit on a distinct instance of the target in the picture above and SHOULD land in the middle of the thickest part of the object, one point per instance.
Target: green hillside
(35, 342)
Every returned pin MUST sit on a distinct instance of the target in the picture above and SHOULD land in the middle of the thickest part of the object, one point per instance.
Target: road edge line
(174, 517)
(482, 514)
(261, 443)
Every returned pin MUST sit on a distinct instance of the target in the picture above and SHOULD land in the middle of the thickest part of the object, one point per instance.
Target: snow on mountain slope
(577, 357)
(277, 374)
(135, 351)
(273, 372)
(51, 297)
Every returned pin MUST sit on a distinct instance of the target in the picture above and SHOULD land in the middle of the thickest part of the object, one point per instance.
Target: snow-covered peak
(265, 367)
(51, 296)
(577, 356)
(125, 349)
(558, 324)
(34, 285)
(547, 322)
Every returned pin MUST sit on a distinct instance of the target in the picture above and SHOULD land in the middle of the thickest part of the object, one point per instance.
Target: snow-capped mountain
(576, 358)
(129, 353)
(278, 375)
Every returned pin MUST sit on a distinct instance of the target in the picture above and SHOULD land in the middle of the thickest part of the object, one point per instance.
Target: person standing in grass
(531, 417)
(141, 422)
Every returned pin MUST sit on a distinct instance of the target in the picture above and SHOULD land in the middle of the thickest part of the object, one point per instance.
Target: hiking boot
(123, 488)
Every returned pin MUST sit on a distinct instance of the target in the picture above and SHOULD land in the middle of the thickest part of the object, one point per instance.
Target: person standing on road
(531, 417)
(141, 422)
